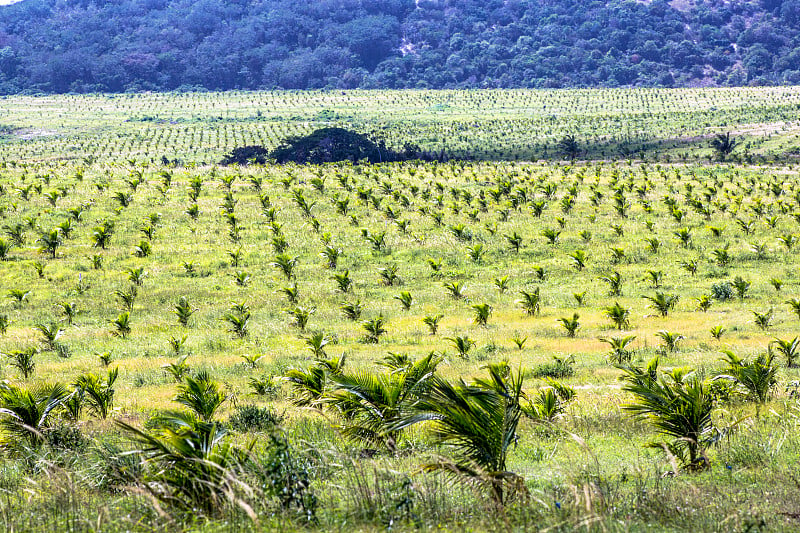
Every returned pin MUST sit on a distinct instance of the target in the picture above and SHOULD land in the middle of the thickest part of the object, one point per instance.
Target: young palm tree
(790, 349)
(678, 404)
(192, 463)
(23, 361)
(98, 393)
(571, 325)
(662, 302)
(618, 315)
(371, 404)
(482, 313)
(432, 321)
(759, 376)
(478, 422)
(202, 395)
(530, 302)
(24, 412)
(50, 241)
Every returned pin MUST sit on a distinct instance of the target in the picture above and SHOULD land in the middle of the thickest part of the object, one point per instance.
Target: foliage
(677, 404)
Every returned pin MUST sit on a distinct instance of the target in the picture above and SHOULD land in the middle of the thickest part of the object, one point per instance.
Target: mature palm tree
(723, 145)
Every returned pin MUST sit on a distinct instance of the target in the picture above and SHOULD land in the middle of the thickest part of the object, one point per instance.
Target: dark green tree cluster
(89, 45)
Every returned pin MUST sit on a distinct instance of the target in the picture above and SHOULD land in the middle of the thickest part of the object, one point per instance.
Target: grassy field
(104, 235)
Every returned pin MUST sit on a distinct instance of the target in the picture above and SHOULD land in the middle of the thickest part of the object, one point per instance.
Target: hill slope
(119, 45)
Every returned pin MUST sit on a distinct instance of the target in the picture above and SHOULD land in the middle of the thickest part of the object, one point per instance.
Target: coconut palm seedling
(286, 264)
(251, 360)
(50, 334)
(183, 311)
(316, 343)
(343, 281)
(678, 404)
(669, 341)
(16, 233)
(177, 369)
(476, 252)
(478, 422)
(704, 303)
(121, 325)
(463, 345)
(201, 395)
(105, 358)
(684, 237)
(25, 412)
(758, 376)
(741, 287)
(372, 404)
(689, 266)
(550, 402)
(352, 310)
(301, 316)
(127, 298)
(618, 315)
(376, 240)
(620, 352)
(331, 254)
(136, 275)
(614, 281)
(552, 235)
(763, 320)
(176, 344)
(580, 297)
(662, 302)
(101, 235)
(435, 264)
(514, 241)
(530, 302)
(5, 250)
(790, 349)
(49, 242)
(309, 387)
(23, 360)
(788, 240)
(405, 299)
(238, 319)
(241, 278)
(794, 303)
(482, 313)
(722, 257)
(97, 392)
(455, 288)
(374, 328)
(579, 258)
(69, 310)
(571, 325)
(188, 464)
(717, 332)
(776, 283)
(388, 275)
(519, 341)
(501, 284)
(292, 293)
(432, 321)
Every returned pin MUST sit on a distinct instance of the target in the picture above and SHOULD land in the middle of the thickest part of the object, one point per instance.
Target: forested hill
(120, 45)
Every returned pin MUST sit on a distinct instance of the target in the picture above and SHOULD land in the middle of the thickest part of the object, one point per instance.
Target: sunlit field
(316, 308)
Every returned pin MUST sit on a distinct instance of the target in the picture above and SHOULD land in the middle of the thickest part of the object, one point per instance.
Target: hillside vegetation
(90, 46)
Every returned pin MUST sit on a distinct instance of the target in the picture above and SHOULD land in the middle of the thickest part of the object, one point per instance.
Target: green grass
(592, 468)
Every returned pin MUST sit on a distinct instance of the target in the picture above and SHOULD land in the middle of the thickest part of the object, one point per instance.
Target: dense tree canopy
(120, 45)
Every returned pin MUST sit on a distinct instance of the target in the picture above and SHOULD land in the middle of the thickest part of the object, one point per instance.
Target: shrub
(254, 418)
(722, 291)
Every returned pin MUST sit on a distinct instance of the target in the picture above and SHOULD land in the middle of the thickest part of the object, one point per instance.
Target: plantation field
(670, 124)
(314, 293)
